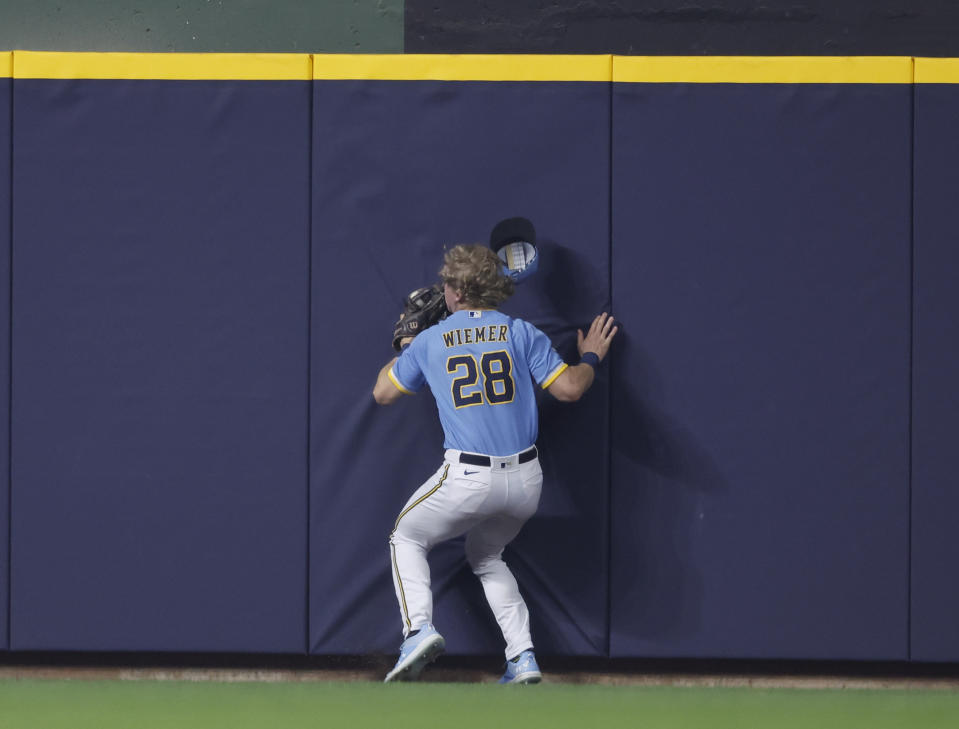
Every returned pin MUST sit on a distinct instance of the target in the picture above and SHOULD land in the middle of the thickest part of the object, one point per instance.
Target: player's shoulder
(515, 325)
(523, 327)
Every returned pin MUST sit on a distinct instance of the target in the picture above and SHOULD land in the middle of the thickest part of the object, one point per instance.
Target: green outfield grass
(60, 704)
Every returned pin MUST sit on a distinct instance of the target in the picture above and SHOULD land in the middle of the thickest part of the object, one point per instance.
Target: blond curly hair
(477, 274)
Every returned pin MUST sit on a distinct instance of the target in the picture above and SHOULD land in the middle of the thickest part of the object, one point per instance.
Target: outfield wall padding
(935, 498)
(160, 340)
(402, 170)
(760, 477)
(206, 270)
(6, 90)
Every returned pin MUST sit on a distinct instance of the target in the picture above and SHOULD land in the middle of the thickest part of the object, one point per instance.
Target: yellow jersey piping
(552, 378)
(396, 382)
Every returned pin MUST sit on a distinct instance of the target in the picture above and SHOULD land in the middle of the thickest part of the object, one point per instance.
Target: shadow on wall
(560, 297)
(564, 271)
(663, 483)
(561, 556)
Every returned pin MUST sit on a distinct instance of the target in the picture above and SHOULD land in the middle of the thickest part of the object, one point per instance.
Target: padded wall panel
(402, 170)
(161, 255)
(761, 259)
(6, 89)
(935, 497)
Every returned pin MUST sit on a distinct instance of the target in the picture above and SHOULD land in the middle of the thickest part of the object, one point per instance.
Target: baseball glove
(421, 310)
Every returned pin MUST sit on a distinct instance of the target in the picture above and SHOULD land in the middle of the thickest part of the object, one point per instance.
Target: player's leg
(410, 541)
(409, 544)
(446, 506)
(484, 552)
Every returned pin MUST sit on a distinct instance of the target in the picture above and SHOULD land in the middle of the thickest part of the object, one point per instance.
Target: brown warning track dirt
(461, 674)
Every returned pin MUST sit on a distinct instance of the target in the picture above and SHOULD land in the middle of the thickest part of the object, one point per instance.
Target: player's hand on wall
(598, 338)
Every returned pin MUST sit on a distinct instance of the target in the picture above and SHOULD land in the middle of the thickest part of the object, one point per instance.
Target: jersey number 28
(497, 387)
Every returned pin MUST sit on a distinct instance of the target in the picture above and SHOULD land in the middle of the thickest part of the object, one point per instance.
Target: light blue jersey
(481, 366)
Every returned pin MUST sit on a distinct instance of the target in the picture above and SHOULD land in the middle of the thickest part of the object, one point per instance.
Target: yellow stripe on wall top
(165, 66)
(763, 69)
(937, 70)
(442, 67)
(475, 67)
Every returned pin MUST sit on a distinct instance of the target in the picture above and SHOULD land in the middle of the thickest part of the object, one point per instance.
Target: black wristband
(590, 358)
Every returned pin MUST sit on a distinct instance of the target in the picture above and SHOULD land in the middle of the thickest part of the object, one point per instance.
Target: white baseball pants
(489, 504)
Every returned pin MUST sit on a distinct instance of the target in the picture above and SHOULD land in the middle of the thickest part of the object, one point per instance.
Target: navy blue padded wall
(761, 261)
(6, 89)
(935, 498)
(403, 169)
(160, 335)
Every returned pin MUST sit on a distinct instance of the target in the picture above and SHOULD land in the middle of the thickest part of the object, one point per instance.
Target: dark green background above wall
(243, 26)
(629, 27)
(685, 27)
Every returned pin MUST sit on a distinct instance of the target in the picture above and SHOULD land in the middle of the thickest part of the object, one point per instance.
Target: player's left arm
(576, 379)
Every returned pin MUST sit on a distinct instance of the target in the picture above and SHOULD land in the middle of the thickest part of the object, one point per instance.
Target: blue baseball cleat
(415, 653)
(523, 670)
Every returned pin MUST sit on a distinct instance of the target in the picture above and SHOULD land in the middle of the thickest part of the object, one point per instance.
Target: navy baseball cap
(512, 230)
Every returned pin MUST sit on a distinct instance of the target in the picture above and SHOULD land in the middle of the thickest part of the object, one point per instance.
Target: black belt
(474, 459)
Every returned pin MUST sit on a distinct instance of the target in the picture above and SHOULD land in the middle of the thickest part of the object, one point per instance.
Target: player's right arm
(575, 380)
(385, 391)
(400, 376)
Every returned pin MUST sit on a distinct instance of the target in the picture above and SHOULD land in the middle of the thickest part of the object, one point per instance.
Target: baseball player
(481, 366)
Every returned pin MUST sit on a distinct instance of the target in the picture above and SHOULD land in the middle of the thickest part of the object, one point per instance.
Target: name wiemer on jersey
(473, 335)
